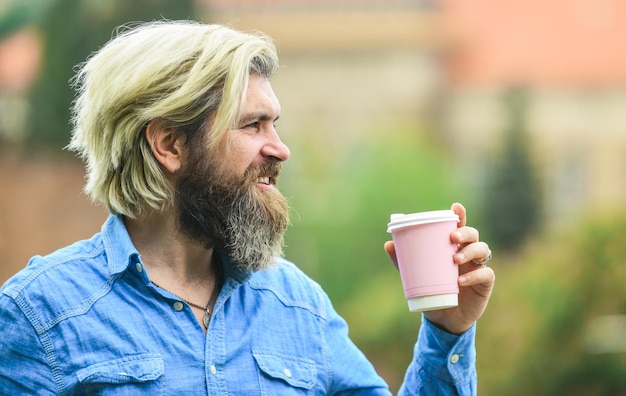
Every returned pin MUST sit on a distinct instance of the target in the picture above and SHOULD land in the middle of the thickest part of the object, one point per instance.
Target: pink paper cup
(425, 258)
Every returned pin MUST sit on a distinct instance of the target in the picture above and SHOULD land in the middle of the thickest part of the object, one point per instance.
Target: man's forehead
(260, 97)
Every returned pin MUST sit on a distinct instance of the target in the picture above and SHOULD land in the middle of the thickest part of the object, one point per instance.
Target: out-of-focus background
(515, 108)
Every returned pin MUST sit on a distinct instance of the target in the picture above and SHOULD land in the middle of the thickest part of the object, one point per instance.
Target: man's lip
(268, 182)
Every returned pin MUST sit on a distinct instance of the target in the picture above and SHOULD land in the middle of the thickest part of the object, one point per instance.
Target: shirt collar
(122, 253)
(231, 270)
(118, 246)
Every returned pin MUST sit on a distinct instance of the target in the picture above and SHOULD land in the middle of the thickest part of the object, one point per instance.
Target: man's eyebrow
(257, 116)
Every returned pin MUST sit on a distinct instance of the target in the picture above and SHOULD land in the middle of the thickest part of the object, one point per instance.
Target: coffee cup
(425, 258)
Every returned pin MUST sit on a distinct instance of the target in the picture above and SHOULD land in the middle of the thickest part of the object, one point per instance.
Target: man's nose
(275, 147)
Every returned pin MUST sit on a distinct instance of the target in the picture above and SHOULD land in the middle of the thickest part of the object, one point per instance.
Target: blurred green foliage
(15, 14)
(341, 217)
(536, 337)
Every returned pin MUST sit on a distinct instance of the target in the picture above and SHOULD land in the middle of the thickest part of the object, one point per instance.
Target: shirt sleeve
(443, 364)
(23, 364)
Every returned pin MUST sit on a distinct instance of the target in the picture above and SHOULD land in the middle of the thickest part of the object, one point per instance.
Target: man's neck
(170, 257)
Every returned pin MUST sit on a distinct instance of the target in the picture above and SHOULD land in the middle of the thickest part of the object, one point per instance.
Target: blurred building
(354, 62)
(349, 67)
(569, 56)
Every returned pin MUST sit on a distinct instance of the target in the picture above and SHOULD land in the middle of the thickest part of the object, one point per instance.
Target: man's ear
(167, 146)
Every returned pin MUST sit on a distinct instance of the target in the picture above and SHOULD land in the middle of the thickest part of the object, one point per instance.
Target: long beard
(233, 215)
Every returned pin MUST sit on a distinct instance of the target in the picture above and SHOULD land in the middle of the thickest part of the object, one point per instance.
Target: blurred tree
(72, 29)
(512, 203)
(14, 15)
(568, 351)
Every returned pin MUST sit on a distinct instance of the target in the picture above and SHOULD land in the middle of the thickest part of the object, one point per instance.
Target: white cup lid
(398, 220)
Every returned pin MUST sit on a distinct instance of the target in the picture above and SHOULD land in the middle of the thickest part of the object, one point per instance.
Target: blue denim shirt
(87, 320)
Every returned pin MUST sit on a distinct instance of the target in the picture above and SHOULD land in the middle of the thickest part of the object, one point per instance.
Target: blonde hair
(180, 72)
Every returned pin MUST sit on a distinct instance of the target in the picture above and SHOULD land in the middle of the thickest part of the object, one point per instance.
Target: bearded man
(184, 290)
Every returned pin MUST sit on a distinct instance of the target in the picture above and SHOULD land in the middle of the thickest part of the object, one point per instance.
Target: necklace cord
(212, 300)
(205, 308)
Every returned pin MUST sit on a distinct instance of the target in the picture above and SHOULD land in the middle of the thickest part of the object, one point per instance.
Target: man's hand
(475, 282)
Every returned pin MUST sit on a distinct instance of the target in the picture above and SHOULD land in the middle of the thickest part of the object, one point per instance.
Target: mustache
(266, 168)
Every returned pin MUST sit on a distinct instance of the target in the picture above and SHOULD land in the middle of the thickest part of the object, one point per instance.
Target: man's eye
(253, 125)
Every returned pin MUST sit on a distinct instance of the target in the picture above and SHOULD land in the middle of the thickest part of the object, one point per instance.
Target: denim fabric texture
(86, 320)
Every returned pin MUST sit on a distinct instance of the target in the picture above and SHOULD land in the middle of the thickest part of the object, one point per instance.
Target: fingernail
(463, 279)
(460, 257)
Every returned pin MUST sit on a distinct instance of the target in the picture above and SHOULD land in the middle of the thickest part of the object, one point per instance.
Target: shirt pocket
(282, 374)
(131, 375)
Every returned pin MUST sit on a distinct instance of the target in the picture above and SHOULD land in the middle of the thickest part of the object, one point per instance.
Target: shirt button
(178, 306)
(454, 358)
(139, 267)
(287, 373)
(213, 369)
